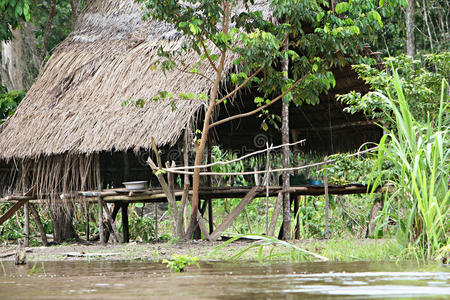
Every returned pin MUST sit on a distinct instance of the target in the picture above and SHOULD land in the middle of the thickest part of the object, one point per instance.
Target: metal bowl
(135, 185)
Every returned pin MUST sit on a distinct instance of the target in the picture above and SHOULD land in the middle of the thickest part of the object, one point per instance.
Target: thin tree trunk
(76, 8)
(48, 29)
(410, 24)
(285, 140)
(201, 147)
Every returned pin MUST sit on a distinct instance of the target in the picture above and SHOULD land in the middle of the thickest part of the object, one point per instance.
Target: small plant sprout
(178, 262)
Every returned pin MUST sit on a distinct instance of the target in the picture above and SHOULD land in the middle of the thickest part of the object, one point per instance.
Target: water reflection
(146, 280)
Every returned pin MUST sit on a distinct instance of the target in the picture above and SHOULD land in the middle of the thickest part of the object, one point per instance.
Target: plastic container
(135, 185)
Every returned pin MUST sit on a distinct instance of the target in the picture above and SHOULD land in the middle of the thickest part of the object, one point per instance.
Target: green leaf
(264, 126)
(342, 7)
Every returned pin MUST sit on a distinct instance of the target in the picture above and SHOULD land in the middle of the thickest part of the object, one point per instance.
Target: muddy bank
(342, 250)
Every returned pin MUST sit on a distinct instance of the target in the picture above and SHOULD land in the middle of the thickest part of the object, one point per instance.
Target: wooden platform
(157, 195)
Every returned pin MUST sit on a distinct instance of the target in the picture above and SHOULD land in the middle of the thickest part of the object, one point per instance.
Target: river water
(223, 280)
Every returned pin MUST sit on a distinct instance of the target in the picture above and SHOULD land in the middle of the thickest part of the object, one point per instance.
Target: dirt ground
(340, 249)
(145, 251)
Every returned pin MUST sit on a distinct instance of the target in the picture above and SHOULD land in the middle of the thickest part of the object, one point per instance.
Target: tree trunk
(200, 148)
(76, 9)
(19, 59)
(410, 24)
(62, 217)
(285, 140)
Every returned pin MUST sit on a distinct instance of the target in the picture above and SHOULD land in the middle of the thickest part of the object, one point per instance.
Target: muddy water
(146, 280)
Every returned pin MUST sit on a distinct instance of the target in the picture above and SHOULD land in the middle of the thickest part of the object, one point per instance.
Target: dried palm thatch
(75, 106)
(74, 109)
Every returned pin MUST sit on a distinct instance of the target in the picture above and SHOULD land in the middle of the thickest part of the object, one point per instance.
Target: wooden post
(327, 202)
(113, 224)
(276, 212)
(86, 206)
(267, 182)
(210, 216)
(101, 230)
(26, 229)
(125, 225)
(38, 222)
(296, 216)
(155, 207)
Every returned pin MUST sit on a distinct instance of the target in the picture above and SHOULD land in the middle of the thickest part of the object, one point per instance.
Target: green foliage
(142, 228)
(419, 153)
(179, 262)
(421, 82)
(12, 12)
(318, 39)
(294, 253)
(9, 102)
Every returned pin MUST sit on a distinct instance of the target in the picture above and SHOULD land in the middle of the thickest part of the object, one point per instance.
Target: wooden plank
(12, 210)
(236, 211)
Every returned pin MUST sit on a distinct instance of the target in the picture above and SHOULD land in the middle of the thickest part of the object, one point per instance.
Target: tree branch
(207, 55)
(239, 87)
(259, 108)
(48, 29)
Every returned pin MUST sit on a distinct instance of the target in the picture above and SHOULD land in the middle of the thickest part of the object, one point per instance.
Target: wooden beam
(12, 210)
(236, 211)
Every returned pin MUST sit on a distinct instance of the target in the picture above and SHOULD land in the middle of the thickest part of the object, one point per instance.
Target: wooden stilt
(113, 224)
(296, 218)
(108, 227)
(202, 226)
(276, 212)
(235, 212)
(327, 203)
(38, 222)
(155, 207)
(101, 230)
(26, 228)
(125, 228)
(210, 216)
(86, 211)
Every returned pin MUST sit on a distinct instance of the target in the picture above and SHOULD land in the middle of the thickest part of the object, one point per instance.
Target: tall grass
(418, 175)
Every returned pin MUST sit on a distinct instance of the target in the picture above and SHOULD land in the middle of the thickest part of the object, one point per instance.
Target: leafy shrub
(9, 102)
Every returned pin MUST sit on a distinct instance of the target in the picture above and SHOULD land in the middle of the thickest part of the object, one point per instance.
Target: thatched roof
(75, 105)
